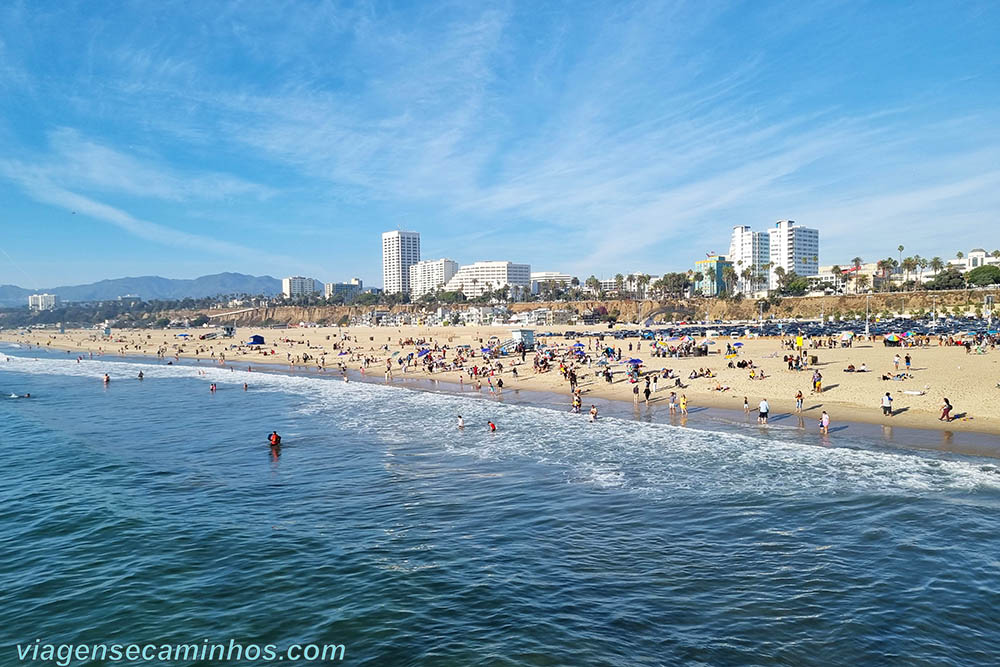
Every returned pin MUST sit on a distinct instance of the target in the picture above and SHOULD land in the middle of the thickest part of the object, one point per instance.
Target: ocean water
(155, 512)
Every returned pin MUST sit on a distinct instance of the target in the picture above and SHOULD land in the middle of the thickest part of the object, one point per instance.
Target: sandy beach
(969, 381)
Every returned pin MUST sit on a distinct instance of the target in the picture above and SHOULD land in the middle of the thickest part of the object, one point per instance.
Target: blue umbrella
(737, 344)
(423, 352)
(578, 345)
(635, 361)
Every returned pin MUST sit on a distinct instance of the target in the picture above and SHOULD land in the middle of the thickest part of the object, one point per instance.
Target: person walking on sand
(824, 424)
(887, 405)
(798, 401)
(746, 405)
(762, 410)
(895, 361)
(907, 360)
(684, 404)
(946, 409)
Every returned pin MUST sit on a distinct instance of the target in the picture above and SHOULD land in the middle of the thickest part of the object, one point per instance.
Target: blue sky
(183, 138)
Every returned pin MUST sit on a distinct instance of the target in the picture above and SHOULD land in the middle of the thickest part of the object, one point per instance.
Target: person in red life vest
(493, 427)
(274, 439)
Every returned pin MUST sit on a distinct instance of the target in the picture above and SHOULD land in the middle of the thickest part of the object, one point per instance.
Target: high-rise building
(294, 286)
(430, 275)
(476, 279)
(793, 249)
(349, 291)
(750, 250)
(42, 301)
(400, 251)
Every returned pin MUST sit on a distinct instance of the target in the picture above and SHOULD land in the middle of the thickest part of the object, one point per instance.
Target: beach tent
(256, 339)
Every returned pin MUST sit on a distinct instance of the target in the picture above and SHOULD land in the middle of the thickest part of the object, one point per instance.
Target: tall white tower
(795, 249)
(750, 250)
(400, 251)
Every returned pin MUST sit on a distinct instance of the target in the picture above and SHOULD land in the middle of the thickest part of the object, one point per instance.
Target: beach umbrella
(706, 342)
(674, 338)
(892, 338)
(686, 339)
(847, 335)
(578, 345)
(737, 344)
(423, 352)
(485, 350)
(635, 361)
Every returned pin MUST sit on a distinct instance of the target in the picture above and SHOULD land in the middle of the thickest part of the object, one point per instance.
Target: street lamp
(868, 298)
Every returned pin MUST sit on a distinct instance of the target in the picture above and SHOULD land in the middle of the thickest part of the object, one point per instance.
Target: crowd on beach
(596, 365)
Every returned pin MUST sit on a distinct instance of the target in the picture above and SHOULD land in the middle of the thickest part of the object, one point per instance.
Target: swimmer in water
(141, 375)
(274, 439)
(107, 378)
(593, 413)
(461, 422)
(492, 427)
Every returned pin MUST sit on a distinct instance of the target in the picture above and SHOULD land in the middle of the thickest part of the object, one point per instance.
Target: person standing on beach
(684, 404)
(895, 361)
(907, 361)
(593, 413)
(672, 402)
(762, 410)
(798, 401)
(887, 404)
(635, 394)
(746, 405)
(646, 393)
(824, 424)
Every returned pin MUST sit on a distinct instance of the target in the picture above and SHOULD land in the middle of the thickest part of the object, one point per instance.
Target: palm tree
(900, 249)
(861, 281)
(746, 275)
(936, 265)
(619, 283)
(960, 254)
(835, 270)
(643, 282)
(995, 254)
(922, 263)
(856, 262)
(730, 277)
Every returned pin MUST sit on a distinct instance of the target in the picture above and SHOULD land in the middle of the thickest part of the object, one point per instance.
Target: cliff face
(848, 306)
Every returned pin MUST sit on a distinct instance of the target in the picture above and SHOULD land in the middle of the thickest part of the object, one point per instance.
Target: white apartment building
(475, 279)
(793, 248)
(400, 251)
(540, 277)
(430, 275)
(294, 286)
(42, 301)
(749, 250)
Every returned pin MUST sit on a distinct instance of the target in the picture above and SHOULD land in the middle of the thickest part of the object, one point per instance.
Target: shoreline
(909, 412)
(704, 416)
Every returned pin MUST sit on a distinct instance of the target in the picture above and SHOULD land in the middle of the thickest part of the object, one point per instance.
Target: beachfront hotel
(749, 250)
(294, 286)
(713, 275)
(476, 279)
(430, 275)
(539, 278)
(400, 251)
(42, 301)
(349, 290)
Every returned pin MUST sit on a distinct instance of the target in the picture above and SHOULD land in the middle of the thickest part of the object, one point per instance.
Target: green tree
(984, 275)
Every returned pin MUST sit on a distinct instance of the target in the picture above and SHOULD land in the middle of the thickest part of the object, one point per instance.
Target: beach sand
(969, 381)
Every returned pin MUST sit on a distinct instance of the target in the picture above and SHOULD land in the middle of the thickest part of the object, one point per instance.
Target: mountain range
(150, 287)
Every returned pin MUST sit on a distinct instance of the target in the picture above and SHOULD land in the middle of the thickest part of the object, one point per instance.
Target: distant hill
(150, 287)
